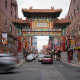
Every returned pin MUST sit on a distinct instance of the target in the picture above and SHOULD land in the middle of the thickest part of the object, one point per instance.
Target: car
(40, 56)
(35, 56)
(7, 62)
(47, 59)
(30, 57)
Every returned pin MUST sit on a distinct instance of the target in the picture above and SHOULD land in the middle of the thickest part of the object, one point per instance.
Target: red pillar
(1, 51)
(19, 43)
(63, 44)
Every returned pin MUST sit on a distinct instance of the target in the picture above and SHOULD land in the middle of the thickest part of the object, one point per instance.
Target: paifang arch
(41, 22)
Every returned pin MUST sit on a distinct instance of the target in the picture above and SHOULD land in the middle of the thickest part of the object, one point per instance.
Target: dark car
(7, 62)
(47, 59)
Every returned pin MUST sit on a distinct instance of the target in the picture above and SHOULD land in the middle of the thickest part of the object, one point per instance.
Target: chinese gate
(41, 22)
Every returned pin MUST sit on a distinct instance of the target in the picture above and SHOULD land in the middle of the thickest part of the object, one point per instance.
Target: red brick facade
(11, 10)
(74, 28)
(6, 26)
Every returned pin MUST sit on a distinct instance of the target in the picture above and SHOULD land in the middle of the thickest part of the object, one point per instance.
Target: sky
(43, 4)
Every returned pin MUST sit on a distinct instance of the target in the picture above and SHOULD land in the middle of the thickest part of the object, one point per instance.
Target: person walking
(24, 53)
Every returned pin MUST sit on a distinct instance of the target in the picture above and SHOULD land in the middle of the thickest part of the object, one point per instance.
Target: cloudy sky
(43, 4)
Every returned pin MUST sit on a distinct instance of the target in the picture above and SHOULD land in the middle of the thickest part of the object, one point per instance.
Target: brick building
(74, 28)
(8, 32)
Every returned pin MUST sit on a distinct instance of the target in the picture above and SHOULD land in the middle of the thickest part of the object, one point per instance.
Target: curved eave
(20, 23)
(28, 13)
(62, 23)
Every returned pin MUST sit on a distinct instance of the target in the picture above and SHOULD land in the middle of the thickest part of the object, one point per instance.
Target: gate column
(63, 39)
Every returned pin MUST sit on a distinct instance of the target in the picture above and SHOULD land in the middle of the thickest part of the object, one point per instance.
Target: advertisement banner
(4, 39)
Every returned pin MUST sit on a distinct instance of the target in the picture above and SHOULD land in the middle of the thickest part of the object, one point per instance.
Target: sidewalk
(20, 63)
(76, 64)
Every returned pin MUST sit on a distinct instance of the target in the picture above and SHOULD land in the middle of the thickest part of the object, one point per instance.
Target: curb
(72, 64)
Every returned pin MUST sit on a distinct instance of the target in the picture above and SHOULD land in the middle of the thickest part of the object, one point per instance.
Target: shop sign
(58, 44)
(77, 47)
(4, 39)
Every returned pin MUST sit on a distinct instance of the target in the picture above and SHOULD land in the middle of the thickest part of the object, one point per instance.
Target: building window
(72, 30)
(74, 12)
(15, 17)
(73, 1)
(9, 44)
(71, 15)
(75, 27)
(11, 28)
(78, 9)
(75, 30)
(6, 4)
(11, 12)
(79, 27)
(15, 9)
(5, 23)
(11, 1)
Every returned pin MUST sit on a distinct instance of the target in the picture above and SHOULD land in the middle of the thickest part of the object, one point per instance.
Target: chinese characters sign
(41, 24)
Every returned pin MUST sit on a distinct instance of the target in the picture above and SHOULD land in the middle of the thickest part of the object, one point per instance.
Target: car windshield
(47, 56)
(41, 55)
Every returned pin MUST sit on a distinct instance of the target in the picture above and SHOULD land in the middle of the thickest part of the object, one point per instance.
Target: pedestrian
(55, 57)
(24, 52)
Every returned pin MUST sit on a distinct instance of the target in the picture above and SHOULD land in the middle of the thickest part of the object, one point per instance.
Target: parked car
(30, 57)
(7, 62)
(35, 56)
(40, 56)
(47, 59)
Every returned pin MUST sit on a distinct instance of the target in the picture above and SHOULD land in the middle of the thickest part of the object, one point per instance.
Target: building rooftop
(52, 12)
(20, 21)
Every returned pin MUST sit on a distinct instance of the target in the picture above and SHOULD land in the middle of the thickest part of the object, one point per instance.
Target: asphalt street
(34, 70)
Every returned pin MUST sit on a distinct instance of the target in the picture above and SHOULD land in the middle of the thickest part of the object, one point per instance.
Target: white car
(30, 57)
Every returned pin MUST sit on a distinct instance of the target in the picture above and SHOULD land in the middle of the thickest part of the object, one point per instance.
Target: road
(34, 70)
